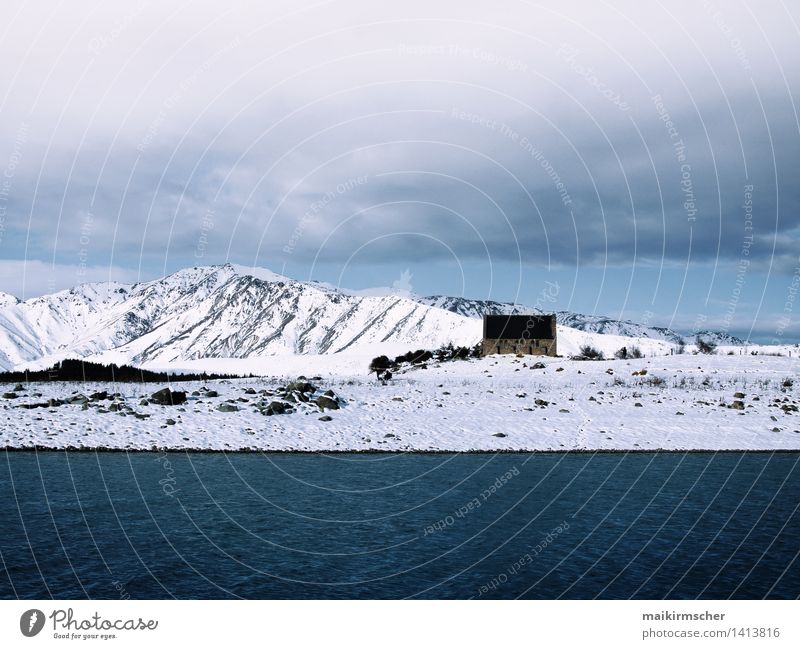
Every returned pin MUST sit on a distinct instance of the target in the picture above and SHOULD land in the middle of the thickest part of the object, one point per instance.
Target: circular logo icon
(31, 622)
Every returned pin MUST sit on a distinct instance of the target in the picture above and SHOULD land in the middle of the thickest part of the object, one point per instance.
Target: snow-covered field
(498, 403)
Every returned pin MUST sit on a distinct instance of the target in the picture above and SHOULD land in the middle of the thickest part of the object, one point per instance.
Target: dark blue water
(76, 525)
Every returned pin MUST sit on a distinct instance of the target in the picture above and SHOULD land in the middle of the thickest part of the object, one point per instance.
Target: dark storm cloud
(513, 134)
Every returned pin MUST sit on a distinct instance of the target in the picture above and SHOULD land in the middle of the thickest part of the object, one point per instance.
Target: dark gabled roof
(516, 327)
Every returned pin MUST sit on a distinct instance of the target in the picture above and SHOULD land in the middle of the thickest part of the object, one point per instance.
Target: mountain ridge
(230, 311)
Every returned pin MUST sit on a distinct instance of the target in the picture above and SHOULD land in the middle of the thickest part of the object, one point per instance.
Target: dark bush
(78, 370)
(587, 352)
(706, 346)
(380, 364)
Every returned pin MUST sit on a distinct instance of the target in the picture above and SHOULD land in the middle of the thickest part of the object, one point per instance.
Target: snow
(455, 406)
(237, 320)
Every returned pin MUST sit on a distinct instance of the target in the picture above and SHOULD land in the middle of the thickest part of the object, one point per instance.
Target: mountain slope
(218, 311)
(578, 321)
(235, 312)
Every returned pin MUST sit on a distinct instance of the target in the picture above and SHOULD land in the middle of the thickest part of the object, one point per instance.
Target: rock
(326, 418)
(99, 396)
(114, 407)
(170, 422)
(196, 393)
(10, 395)
(738, 395)
(300, 386)
(559, 369)
(326, 402)
(141, 415)
(538, 366)
(227, 407)
(563, 410)
(144, 402)
(77, 398)
(167, 397)
(638, 405)
(738, 405)
(212, 393)
(397, 398)
(499, 435)
(277, 408)
(19, 387)
(249, 391)
(389, 436)
(541, 402)
(329, 393)
(54, 403)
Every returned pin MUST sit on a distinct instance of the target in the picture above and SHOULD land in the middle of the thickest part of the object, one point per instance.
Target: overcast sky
(642, 156)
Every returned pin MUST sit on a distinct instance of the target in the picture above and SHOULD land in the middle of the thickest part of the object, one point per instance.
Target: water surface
(572, 525)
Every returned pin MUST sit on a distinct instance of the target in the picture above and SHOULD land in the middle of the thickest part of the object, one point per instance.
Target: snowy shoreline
(498, 404)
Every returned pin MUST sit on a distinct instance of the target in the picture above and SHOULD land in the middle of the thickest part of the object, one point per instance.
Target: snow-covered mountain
(7, 300)
(579, 321)
(216, 312)
(236, 312)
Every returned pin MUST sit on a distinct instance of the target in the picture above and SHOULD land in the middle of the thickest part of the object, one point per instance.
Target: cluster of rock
(281, 401)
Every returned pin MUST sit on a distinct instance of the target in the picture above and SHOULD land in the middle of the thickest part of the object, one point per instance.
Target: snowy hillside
(579, 321)
(216, 312)
(233, 312)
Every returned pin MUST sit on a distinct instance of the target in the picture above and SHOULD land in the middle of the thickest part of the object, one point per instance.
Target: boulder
(99, 396)
(738, 405)
(327, 402)
(300, 386)
(277, 408)
(167, 397)
(19, 387)
(227, 407)
(10, 395)
(326, 418)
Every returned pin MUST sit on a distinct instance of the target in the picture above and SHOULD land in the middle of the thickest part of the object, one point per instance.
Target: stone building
(519, 334)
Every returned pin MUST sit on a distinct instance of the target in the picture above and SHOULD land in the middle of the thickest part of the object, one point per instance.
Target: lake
(571, 525)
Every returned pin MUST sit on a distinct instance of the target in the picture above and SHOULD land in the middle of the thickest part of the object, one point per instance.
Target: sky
(631, 159)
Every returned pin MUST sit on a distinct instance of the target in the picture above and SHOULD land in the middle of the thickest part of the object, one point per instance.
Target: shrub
(628, 352)
(591, 353)
(706, 346)
(380, 364)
